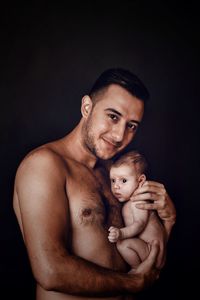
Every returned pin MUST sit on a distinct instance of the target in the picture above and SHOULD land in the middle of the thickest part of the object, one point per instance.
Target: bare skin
(64, 207)
(141, 229)
(141, 226)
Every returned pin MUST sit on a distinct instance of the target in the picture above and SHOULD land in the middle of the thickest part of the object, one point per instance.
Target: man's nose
(118, 133)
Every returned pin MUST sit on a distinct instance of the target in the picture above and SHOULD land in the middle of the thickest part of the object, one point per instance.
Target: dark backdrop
(50, 54)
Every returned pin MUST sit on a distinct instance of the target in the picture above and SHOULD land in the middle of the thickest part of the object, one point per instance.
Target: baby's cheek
(129, 191)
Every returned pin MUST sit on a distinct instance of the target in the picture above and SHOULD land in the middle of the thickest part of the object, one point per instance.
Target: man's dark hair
(122, 77)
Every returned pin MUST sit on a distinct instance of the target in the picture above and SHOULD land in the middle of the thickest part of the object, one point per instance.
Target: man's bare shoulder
(50, 157)
(44, 157)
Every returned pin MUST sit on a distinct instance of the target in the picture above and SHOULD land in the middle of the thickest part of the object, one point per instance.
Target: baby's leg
(133, 250)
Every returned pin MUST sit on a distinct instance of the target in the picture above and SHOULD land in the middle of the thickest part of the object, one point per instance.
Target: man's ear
(86, 106)
(142, 179)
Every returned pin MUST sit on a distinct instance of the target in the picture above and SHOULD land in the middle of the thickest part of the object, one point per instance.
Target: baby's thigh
(139, 246)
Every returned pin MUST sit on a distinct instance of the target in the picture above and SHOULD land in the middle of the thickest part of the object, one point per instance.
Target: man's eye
(132, 126)
(124, 180)
(113, 117)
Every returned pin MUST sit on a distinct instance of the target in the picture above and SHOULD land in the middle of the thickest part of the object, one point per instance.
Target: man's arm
(155, 191)
(44, 212)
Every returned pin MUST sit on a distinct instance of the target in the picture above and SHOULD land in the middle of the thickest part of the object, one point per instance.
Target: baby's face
(124, 181)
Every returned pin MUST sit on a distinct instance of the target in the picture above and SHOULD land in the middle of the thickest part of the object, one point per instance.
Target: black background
(50, 55)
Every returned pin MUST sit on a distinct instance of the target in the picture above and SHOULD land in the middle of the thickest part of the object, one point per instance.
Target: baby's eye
(124, 180)
(113, 180)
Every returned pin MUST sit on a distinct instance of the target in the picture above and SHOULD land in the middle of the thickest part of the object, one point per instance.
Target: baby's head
(127, 174)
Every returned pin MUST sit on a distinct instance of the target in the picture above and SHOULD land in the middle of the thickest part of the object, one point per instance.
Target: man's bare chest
(91, 202)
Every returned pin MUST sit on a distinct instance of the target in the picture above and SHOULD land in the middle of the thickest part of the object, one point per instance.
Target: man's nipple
(86, 212)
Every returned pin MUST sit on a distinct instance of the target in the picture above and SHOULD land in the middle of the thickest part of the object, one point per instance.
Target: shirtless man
(64, 205)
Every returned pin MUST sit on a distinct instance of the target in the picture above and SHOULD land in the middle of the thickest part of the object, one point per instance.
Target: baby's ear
(142, 179)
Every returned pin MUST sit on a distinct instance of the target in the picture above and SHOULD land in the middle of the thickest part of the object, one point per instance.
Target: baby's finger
(112, 240)
(112, 234)
(111, 228)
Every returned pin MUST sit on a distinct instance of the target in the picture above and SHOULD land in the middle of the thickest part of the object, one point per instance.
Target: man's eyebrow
(114, 111)
(119, 114)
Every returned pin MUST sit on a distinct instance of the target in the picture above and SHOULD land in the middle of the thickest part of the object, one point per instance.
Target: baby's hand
(114, 234)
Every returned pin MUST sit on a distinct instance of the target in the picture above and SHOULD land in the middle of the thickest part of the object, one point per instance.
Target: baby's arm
(140, 219)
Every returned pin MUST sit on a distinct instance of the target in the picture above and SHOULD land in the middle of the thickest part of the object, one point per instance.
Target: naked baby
(127, 174)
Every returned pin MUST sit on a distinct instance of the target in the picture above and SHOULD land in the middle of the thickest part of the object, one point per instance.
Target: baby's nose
(116, 185)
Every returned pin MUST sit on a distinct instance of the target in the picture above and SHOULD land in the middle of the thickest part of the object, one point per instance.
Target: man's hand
(114, 234)
(156, 192)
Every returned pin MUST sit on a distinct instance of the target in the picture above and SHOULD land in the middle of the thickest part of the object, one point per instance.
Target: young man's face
(113, 121)
(124, 181)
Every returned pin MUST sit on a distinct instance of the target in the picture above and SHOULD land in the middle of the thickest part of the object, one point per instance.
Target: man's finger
(145, 197)
(153, 183)
(149, 189)
(148, 206)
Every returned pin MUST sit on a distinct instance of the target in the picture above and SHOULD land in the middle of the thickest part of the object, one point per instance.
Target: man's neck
(75, 149)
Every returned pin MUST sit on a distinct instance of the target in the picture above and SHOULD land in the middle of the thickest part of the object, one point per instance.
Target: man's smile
(112, 143)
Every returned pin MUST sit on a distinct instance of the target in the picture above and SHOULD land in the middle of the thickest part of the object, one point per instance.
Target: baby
(141, 226)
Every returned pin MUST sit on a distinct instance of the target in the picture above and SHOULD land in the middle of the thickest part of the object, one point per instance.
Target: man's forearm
(168, 215)
(168, 227)
(77, 276)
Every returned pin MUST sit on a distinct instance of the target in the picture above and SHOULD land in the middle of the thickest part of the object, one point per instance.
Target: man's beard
(89, 140)
(88, 137)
